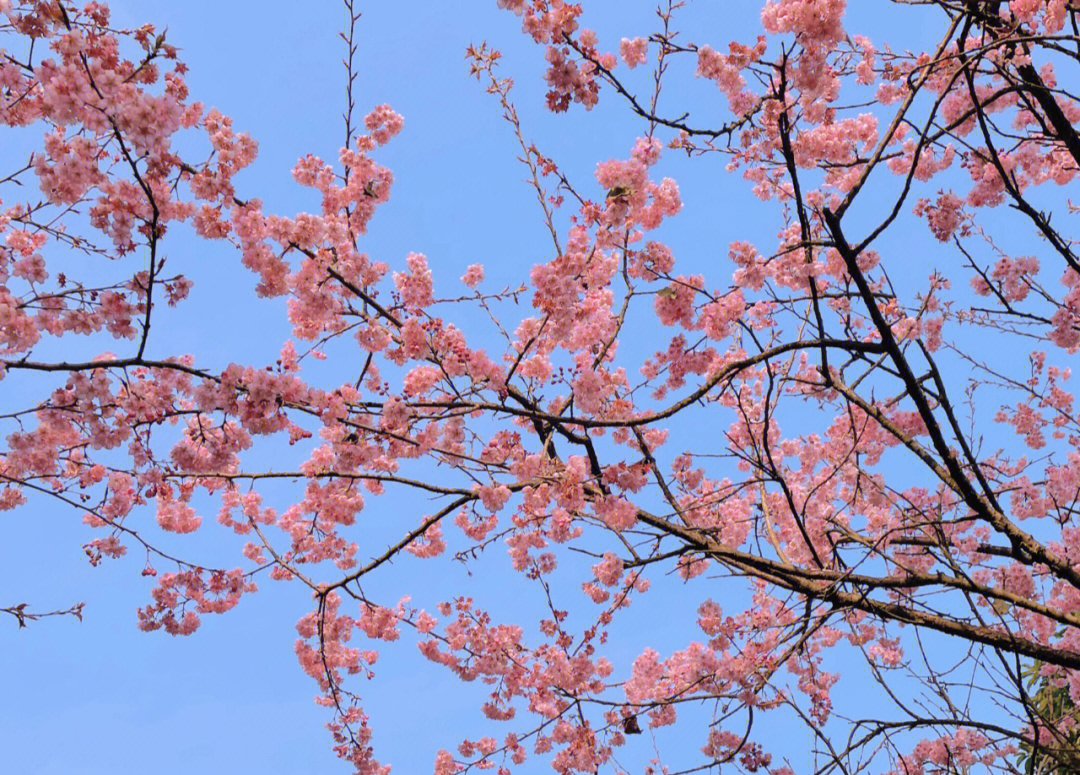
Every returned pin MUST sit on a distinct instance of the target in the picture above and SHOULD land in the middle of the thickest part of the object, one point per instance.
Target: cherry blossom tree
(852, 447)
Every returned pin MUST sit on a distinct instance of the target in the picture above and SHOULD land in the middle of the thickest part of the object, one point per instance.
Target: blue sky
(101, 697)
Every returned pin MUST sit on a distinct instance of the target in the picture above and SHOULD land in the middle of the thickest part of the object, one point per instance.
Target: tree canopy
(842, 455)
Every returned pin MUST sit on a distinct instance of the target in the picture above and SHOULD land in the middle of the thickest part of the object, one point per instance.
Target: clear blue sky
(101, 697)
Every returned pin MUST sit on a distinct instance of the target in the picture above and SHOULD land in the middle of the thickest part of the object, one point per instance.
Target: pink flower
(473, 275)
(517, 6)
(633, 52)
(944, 216)
(609, 570)
(494, 497)
(415, 285)
(177, 517)
(444, 760)
(383, 123)
(618, 513)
